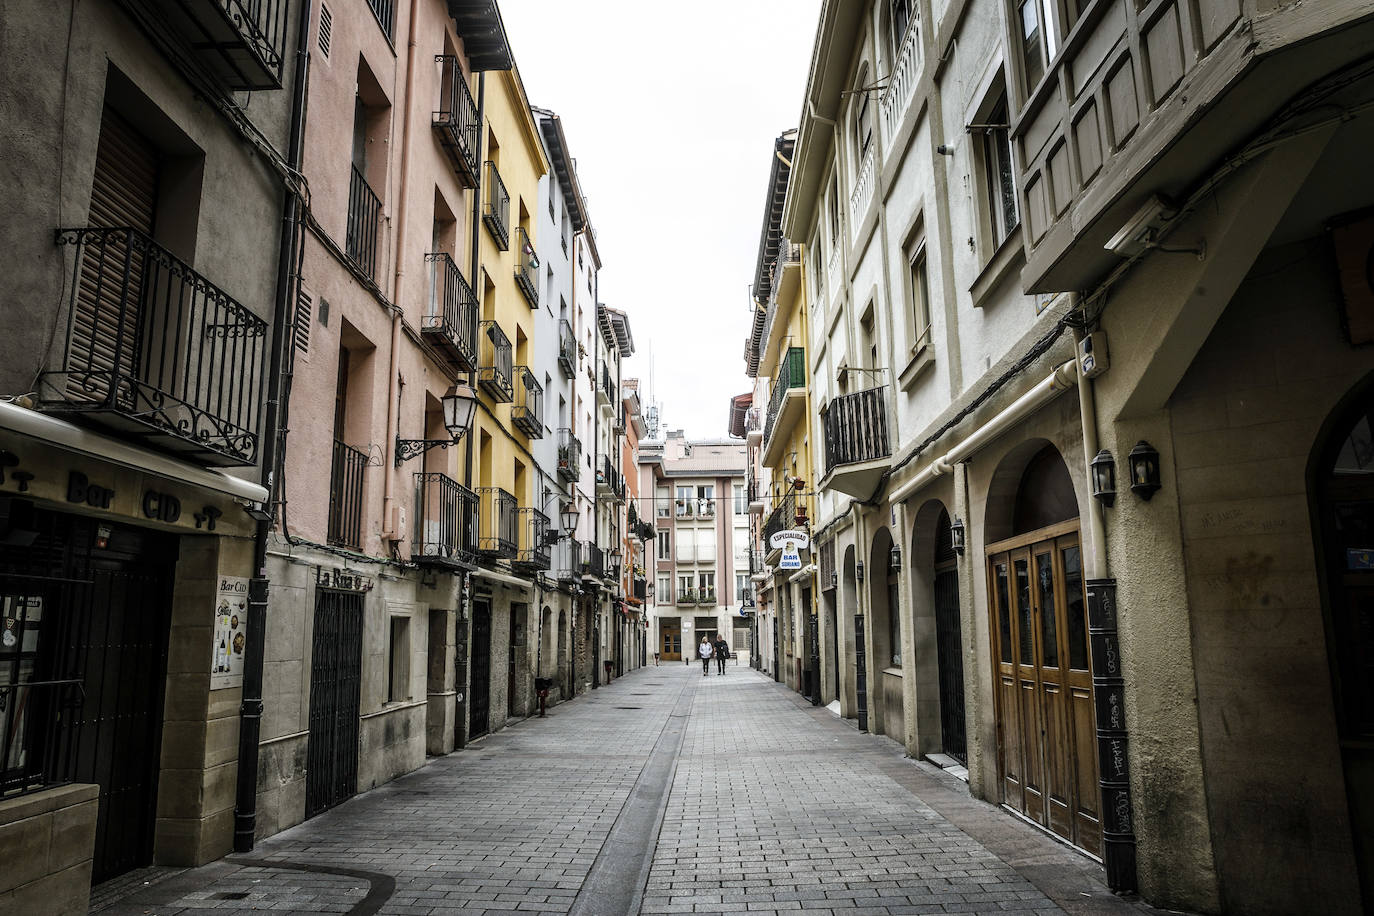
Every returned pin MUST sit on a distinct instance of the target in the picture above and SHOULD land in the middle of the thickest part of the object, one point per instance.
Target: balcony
(346, 496)
(533, 553)
(609, 481)
(495, 370)
(498, 534)
(687, 596)
(902, 83)
(787, 404)
(605, 391)
(241, 42)
(685, 508)
(527, 411)
(364, 216)
(526, 267)
(783, 517)
(753, 427)
(857, 446)
(496, 208)
(593, 562)
(450, 324)
(639, 588)
(456, 122)
(757, 502)
(569, 456)
(706, 596)
(445, 523)
(567, 349)
(156, 352)
(620, 419)
(1134, 104)
(385, 11)
(567, 560)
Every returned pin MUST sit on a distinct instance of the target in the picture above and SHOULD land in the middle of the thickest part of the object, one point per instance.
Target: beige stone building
(1099, 271)
(144, 197)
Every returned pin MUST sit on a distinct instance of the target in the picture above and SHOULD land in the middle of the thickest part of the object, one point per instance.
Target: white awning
(48, 428)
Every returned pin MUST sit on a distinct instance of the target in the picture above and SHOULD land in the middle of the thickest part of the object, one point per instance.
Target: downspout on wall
(250, 705)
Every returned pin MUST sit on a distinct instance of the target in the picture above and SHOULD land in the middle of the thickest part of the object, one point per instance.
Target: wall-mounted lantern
(859, 570)
(1144, 461)
(894, 559)
(834, 580)
(459, 404)
(568, 516)
(956, 535)
(1103, 471)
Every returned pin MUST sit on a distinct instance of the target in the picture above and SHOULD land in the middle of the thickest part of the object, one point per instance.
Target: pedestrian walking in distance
(722, 649)
(705, 650)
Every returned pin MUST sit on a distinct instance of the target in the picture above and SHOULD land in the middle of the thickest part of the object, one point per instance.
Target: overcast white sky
(671, 111)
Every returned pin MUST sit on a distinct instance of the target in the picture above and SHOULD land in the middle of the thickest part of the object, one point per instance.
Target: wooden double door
(1046, 729)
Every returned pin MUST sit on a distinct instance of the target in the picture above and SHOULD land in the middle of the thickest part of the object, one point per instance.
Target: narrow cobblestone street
(771, 806)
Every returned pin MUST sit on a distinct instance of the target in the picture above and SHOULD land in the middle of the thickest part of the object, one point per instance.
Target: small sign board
(230, 632)
(791, 542)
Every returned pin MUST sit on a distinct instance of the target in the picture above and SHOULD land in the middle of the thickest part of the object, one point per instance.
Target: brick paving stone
(773, 808)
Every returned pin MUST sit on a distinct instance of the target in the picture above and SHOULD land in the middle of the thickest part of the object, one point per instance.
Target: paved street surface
(665, 792)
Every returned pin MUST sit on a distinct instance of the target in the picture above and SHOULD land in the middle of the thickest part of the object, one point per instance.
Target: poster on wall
(230, 633)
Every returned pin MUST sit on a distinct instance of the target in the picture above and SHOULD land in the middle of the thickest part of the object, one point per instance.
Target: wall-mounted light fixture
(1103, 470)
(859, 570)
(1144, 461)
(568, 516)
(834, 580)
(459, 404)
(956, 535)
(894, 559)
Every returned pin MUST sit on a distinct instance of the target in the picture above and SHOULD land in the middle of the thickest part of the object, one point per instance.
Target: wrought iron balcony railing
(609, 479)
(533, 529)
(527, 411)
(445, 522)
(791, 376)
(706, 596)
(782, 517)
(526, 266)
(687, 596)
(346, 496)
(241, 42)
(451, 319)
(593, 561)
(364, 216)
(457, 122)
(567, 349)
(856, 428)
(498, 534)
(496, 207)
(607, 387)
(569, 455)
(567, 559)
(685, 508)
(495, 370)
(640, 588)
(156, 351)
(385, 11)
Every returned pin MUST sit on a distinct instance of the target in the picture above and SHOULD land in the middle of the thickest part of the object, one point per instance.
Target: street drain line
(615, 884)
(380, 886)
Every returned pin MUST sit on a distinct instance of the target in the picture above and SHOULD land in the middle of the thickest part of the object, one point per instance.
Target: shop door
(950, 656)
(335, 683)
(480, 692)
(460, 678)
(82, 669)
(671, 649)
(1047, 753)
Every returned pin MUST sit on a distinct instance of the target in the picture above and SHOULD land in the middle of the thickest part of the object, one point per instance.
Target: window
(684, 585)
(1042, 23)
(742, 586)
(664, 546)
(398, 668)
(863, 127)
(997, 168)
(707, 583)
(901, 18)
(685, 504)
(706, 501)
(664, 593)
(834, 211)
(919, 294)
(686, 546)
(740, 507)
(662, 502)
(894, 618)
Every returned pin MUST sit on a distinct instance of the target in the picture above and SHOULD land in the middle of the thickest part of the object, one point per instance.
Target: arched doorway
(949, 644)
(1343, 497)
(885, 637)
(562, 663)
(1047, 752)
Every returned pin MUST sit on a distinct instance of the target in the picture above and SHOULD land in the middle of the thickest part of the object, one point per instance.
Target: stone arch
(884, 621)
(848, 598)
(920, 561)
(1023, 470)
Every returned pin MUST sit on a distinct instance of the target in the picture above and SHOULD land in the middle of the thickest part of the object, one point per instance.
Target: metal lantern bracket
(407, 449)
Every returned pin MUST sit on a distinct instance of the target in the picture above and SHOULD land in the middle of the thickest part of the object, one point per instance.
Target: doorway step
(949, 765)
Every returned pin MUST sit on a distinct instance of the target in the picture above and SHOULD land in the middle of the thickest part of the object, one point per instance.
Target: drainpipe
(393, 394)
(250, 706)
(1113, 738)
